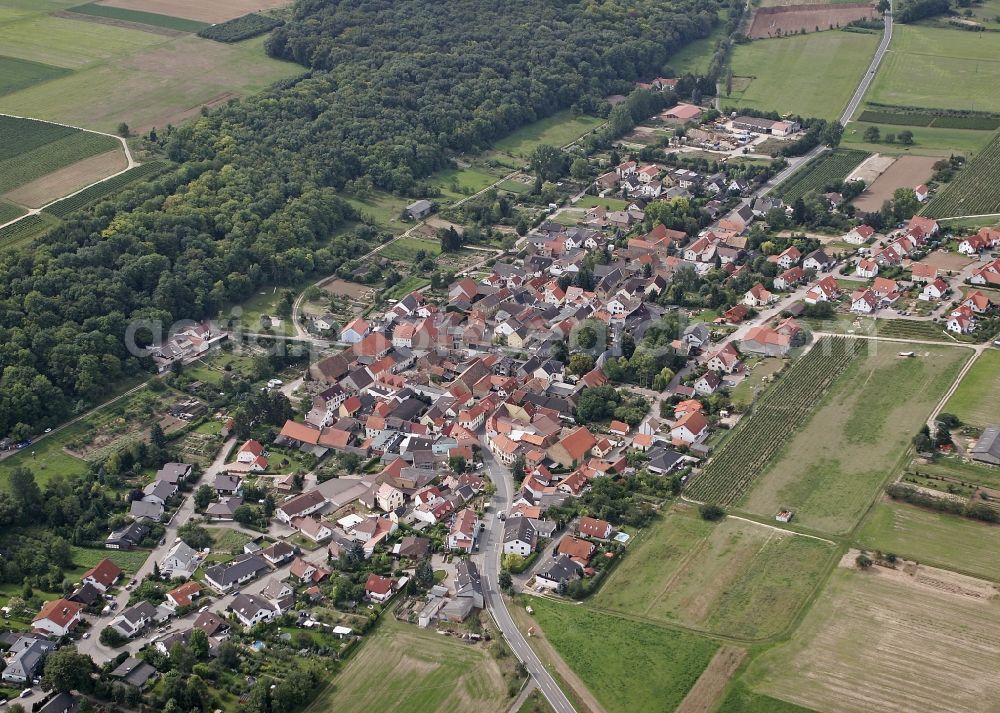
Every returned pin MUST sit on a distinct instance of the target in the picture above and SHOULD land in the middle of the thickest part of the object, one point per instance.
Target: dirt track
(706, 691)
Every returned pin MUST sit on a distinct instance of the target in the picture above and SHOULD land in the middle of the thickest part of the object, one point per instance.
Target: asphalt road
(859, 93)
(490, 544)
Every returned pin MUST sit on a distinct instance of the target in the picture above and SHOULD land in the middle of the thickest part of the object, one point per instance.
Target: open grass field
(457, 183)
(976, 188)
(977, 399)
(838, 459)
(694, 57)
(934, 538)
(887, 641)
(786, 72)
(405, 286)
(404, 669)
(557, 130)
(17, 74)
(129, 560)
(939, 68)
(734, 578)
(168, 81)
(608, 203)
(153, 19)
(45, 458)
(628, 666)
(32, 149)
(143, 78)
(383, 208)
(740, 699)
(69, 179)
(406, 249)
(927, 141)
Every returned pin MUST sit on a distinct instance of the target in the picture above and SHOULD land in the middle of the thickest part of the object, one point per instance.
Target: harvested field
(790, 19)
(893, 641)
(348, 289)
(68, 180)
(712, 682)
(215, 11)
(905, 172)
(947, 261)
(871, 168)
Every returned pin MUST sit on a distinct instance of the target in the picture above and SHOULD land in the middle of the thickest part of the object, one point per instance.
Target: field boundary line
(129, 159)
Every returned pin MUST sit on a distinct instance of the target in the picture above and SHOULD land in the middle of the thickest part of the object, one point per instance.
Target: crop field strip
(911, 329)
(240, 28)
(97, 192)
(771, 424)
(9, 211)
(830, 167)
(24, 230)
(32, 149)
(976, 188)
(153, 19)
(906, 116)
(18, 73)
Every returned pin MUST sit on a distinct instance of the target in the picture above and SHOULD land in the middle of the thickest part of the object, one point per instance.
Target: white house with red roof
(692, 428)
(726, 360)
(824, 290)
(988, 274)
(249, 452)
(758, 296)
(864, 302)
(378, 588)
(921, 193)
(977, 302)
(866, 268)
(355, 331)
(962, 320)
(103, 575)
(57, 617)
(462, 535)
(859, 235)
(934, 290)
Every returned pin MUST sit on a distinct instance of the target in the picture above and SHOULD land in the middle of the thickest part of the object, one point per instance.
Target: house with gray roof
(987, 448)
(558, 570)
(225, 577)
(25, 658)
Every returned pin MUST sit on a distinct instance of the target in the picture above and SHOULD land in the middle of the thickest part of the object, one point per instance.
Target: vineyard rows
(975, 190)
(24, 135)
(758, 437)
(911, 329)
(828, 168)
(23, 230)
(97, 192)
(26, 166)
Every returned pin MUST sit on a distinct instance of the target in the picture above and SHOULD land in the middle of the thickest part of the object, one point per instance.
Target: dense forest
(392, 92)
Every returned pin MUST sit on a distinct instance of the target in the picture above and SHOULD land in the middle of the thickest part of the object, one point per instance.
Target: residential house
(594, 527)
(57, 617)
(25, 658)
(134, 619)
(934, 290)
(692, 428)
(726, 360)
(300, 505)
(866, 268)
(227, 576)
(557, 572)
(316, 530)
(519, 537)
(183, 595)
(462, 535)
(818, 260)
(251, 609)
(758, 296)
(127, 537)
(577, 549)
(572, 450)
(103, 575)
(859, 235)
(379, 589)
